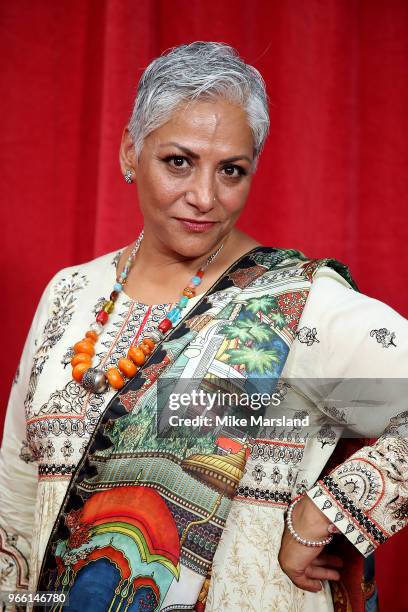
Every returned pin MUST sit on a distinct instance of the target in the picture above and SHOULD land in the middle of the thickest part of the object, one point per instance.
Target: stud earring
(128, 176)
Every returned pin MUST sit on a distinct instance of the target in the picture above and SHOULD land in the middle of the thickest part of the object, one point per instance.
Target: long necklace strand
(97, 380)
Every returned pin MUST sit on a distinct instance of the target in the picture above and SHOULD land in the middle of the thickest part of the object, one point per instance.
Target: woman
(132, 513)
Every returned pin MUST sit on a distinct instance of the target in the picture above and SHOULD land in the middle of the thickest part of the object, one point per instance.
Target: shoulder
(282, 261)
(333, 301)
(271, 257)
(67, 282)
(330, 282)
(92, 267)
(354, 335)
(331, 294)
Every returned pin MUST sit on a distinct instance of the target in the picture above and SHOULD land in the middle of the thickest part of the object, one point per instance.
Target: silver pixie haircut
(205, 70)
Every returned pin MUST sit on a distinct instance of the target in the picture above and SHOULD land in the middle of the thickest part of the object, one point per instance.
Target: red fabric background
(332, 181)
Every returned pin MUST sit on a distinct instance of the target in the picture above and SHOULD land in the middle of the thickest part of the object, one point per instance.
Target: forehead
(201, 124)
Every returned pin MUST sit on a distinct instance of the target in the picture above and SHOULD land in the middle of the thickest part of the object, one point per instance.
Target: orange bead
(81, 358)
(150, 343)
(127, 367)
(84, 346)
(145, 348)
(91, 335)
(188, 292)
(115, 378)
(79, 371)
(136, 355)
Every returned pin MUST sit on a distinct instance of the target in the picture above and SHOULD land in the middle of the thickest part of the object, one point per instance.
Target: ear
(127, 153)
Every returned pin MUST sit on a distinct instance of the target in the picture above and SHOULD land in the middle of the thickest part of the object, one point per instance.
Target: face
(193, 176)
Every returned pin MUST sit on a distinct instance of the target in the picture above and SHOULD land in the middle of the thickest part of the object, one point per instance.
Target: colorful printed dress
(122, 518)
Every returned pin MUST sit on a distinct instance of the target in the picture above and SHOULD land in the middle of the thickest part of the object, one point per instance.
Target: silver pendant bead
(96, 327)
(155, 335)
(95, 380)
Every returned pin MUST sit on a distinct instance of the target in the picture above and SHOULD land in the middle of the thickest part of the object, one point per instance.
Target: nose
(201, 193)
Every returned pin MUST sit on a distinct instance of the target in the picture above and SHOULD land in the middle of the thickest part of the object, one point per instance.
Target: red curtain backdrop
(332, 180)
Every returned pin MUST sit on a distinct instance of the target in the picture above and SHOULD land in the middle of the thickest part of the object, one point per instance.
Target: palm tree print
(263, 304)
(237, 330)
(259, 350)
(256, 360)
(266, 305)
(248, 331)
(259, 331)
(278, 319)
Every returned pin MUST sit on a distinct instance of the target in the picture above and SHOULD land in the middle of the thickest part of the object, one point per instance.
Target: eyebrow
(196, 156)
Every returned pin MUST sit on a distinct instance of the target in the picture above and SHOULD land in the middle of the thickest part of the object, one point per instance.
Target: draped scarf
(144, 510)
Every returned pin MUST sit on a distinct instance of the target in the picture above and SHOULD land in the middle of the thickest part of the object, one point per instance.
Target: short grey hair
(202, 69)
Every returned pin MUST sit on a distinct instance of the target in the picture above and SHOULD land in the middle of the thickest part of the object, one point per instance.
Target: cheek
(159, 190)
(233, 200)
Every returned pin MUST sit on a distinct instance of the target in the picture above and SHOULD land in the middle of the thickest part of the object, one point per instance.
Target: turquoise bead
(117, 287)
(183, 302)
(196, 280)
(123, 275)
(174, 312)
(174, 315)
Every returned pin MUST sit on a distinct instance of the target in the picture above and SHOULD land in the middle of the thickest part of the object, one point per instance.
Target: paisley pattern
(62, 310)
(367, 495)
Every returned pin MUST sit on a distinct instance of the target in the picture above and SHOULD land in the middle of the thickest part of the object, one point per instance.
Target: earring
(128, 176)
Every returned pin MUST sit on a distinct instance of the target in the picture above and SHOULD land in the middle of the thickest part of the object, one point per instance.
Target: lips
(193, 225)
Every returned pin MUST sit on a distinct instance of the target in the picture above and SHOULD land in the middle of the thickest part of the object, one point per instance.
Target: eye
(234, 171)
(176, 161)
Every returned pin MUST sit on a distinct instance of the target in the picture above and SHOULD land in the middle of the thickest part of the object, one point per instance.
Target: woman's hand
(307, 565)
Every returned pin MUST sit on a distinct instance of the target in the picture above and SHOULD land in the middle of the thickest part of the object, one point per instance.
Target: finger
(308, 584)
(328, 560)
(322, 573)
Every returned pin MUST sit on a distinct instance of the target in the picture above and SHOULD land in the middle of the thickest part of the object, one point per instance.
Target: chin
(195, 245)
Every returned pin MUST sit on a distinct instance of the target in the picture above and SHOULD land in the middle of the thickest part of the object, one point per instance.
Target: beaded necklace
(97, 380)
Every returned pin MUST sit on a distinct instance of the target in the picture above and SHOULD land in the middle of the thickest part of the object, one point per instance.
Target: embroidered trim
(280, 497)
(176, 607)
(14, 562)
(355, 512)
(62, 311)
(53, 469)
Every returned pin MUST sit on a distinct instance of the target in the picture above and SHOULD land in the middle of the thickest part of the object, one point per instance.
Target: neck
(156, 259)
(159, 275)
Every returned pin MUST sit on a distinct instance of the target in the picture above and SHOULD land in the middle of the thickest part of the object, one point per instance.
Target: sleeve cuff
(361, 531)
